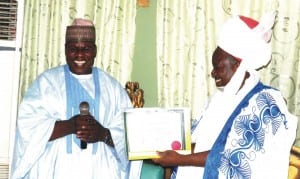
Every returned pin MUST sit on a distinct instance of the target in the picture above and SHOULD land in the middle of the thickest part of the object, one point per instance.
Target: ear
(95, 50)
(65, 49)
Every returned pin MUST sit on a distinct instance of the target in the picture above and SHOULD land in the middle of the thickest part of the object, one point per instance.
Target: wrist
(107, 138)
(73, 125)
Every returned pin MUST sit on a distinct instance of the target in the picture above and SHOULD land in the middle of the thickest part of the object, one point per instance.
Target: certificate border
(186, 130)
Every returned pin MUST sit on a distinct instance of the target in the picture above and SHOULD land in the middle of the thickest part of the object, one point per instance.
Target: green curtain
(44, 28)
(186, 37)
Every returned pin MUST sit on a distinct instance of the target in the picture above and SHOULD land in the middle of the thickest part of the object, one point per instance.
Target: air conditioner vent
(8, 19)
(4, 171)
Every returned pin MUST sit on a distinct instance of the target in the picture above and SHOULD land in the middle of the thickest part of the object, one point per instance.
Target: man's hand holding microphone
(89, 130)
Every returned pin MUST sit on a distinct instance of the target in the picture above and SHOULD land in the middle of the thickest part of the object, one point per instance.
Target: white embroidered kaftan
(45, 103)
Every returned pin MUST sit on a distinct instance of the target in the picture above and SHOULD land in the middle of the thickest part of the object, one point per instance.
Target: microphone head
(84, 108)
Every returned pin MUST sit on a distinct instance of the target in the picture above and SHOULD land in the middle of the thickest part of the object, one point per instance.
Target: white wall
(9, 84)
(8, 104)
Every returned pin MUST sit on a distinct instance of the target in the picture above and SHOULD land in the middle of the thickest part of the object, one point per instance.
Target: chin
(80, 71)
(221, 88)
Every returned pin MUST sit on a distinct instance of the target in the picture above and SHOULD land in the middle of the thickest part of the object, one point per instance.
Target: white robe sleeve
(36, 120)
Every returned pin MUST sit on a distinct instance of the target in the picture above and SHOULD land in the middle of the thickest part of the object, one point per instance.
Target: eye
(86, 49)
(82, 50)
(72, 49)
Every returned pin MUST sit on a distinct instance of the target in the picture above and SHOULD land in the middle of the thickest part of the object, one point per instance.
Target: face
(224, 67)
(80, 56)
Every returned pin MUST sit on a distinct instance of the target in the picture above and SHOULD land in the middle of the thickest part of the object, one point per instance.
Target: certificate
(148, 130)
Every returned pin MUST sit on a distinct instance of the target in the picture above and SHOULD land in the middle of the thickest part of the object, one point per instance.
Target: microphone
(84, 108)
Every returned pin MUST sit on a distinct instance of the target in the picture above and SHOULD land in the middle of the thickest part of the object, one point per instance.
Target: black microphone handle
(83, 144)
(84, 110)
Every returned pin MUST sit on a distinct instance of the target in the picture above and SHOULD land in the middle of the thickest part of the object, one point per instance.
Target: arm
(63, 128)
(172, 158)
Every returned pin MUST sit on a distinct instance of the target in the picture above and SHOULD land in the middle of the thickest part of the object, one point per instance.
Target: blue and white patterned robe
(256, 140)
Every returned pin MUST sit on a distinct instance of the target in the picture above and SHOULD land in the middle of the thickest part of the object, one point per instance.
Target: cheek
(91, 55)
(229, 74)
(91, 61)
(70, 55)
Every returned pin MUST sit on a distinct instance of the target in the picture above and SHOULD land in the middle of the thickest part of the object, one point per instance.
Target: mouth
(79, 63)
(218, 80)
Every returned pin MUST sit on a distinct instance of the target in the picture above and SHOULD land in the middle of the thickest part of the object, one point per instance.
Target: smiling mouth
(218, 80)
(79, 63)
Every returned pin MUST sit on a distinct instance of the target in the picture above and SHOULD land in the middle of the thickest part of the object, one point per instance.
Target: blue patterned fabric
(234, 164)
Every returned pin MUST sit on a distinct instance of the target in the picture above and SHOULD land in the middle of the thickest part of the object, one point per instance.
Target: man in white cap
(57, 140)
(246, 130)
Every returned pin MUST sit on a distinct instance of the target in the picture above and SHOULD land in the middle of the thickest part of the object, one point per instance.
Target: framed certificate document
(148, 130)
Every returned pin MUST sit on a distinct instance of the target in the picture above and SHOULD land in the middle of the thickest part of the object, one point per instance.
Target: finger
(82, 134)
(81, 127)
(159, 153)
(155, 160)
(91, 138)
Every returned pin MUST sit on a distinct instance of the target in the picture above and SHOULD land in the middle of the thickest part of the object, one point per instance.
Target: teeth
(217, 80)
(80, 62)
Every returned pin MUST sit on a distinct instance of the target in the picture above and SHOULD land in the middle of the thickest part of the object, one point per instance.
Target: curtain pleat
(45, 23)
(187, 32)
(186, 37)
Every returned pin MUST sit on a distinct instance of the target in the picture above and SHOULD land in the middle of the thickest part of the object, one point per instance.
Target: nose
(79, 53)
(213, 73)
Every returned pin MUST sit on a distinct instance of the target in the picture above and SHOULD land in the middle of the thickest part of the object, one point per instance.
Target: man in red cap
(57, 137)
(246, 130)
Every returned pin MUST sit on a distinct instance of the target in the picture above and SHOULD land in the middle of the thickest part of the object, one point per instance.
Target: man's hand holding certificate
(149, 130)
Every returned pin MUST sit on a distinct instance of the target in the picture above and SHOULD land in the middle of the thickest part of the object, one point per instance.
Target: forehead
(80, 44)
(220, 55)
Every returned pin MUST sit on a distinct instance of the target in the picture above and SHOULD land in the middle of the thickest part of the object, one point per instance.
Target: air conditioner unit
(11, 17)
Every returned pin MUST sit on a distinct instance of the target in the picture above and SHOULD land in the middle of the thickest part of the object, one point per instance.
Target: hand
(167, 158)
(88, 129)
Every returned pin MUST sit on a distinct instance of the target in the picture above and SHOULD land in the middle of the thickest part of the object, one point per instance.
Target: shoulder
(111, 87)
(269, 93)
(107, 78)
(51, 76)
(272, 91)
(54, 71)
